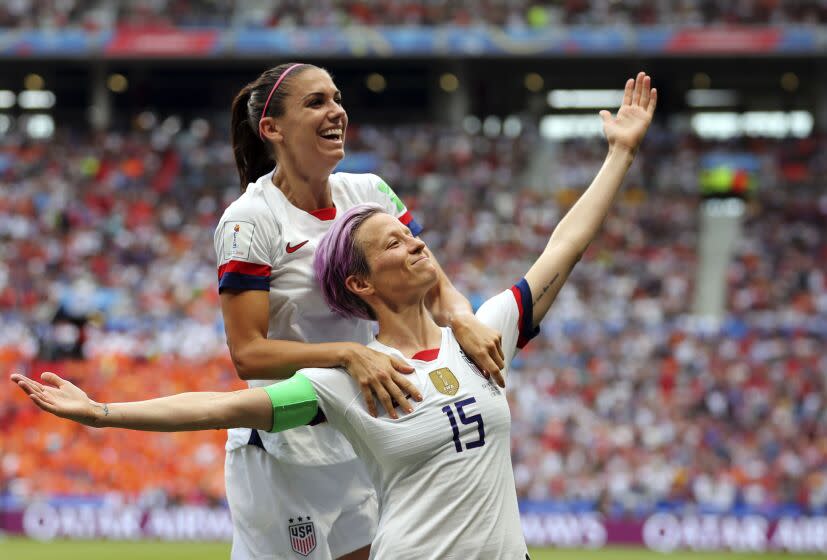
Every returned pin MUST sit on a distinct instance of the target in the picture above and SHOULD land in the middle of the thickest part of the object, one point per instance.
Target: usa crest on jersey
(302, 536)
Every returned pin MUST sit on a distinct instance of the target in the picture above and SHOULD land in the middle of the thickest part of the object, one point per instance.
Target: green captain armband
(294, 403)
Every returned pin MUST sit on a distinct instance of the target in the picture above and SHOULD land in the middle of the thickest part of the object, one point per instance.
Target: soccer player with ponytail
(288, 134)
(443, 471)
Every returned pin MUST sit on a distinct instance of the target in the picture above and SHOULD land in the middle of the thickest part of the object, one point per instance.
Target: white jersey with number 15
(443, 472)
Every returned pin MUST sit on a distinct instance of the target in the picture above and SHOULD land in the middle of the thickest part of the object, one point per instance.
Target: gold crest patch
(444, 381)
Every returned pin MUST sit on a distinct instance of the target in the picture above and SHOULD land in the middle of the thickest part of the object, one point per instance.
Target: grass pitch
(23, 549)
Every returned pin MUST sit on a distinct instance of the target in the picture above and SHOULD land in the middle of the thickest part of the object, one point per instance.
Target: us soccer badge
(302, 535)
(444, 381)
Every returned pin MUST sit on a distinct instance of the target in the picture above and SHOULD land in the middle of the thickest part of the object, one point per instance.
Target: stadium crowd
(623, 403)
(96, 14)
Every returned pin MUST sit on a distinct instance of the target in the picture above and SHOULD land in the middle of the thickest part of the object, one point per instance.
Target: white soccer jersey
(263, 242)
(443, 472)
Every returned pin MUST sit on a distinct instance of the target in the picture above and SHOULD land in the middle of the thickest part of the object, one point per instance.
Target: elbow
(571, 250)
(243, 363)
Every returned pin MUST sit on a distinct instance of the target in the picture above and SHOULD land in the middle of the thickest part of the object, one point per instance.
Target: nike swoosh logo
(295, 248)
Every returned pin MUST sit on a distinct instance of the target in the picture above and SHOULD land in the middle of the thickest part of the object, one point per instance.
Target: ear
(268, 128)
(359, 286)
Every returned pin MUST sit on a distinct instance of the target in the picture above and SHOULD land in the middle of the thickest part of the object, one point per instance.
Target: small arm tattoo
(545, 289)
(105, 409)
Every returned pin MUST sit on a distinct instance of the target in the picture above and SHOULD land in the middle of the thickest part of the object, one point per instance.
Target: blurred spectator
(97, 14)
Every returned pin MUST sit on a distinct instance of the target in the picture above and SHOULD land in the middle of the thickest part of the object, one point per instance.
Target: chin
(433, 278)
(333, 158)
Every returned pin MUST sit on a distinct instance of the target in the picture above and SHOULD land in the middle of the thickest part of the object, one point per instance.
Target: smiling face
(400, 270)
(311, 132)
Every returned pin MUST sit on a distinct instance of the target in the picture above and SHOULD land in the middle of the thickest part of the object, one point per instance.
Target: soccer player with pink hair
(443, 471)
(289, 128)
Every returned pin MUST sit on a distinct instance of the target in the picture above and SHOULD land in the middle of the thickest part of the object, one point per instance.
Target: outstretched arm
(250, 408)
(580, 225)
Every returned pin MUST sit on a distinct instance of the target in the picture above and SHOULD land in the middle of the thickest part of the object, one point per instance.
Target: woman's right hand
(626, 130)
(60, 398)
(380, 376)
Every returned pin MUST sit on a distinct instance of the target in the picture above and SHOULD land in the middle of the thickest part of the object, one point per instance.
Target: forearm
(189, 411)
(624, 133)
(246, 322)
(450, 306)
(279, 359)
(582, 222)
(573, 234)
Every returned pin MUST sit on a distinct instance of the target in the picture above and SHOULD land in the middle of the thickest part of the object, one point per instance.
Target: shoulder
(327, 379)
(252, 214)
(497, 306)
(333, 386)
(511, 311)
(367, 187)
(249, 229)
(250, 206)
(363, 185)
(358, 179)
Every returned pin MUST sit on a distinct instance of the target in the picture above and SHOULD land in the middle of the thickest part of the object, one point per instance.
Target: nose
(417, 245)
(337, 113)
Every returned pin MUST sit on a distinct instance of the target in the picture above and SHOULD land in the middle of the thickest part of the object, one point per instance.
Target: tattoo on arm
(105, 409)
(545, 289)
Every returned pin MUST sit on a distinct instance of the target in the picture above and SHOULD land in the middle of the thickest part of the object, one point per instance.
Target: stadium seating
(623, 403)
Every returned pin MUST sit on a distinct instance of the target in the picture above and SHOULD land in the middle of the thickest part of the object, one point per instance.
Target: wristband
(294, 403)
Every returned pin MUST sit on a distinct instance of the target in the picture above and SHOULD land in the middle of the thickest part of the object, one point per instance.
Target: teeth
(337, 132)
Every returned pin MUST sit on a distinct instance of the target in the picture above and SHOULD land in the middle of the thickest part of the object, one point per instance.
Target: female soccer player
(277, 322)
(444, 471)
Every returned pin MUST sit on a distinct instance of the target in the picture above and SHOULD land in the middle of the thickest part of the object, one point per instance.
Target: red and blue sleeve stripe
(243, 276)
(525, 306)
(412, 224)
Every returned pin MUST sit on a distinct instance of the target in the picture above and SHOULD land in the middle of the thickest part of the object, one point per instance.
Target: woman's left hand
(626, 130)
(482, 344)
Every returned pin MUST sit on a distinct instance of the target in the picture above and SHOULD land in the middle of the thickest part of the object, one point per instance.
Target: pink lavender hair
(339, 256)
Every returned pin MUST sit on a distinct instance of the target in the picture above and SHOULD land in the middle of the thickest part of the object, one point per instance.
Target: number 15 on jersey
(472, 419)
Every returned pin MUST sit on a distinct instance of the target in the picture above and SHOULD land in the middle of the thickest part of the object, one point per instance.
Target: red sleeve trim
(250, 269)
(525, 307)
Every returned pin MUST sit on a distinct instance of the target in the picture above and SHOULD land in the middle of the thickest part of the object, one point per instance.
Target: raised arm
(581, 223)
(250, 408)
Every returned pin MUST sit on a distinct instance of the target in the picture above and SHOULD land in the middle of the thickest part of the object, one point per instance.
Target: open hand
(58, 396)
(627, 129)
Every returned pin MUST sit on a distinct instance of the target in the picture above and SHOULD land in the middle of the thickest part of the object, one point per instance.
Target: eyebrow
(395, 233)
(337, 92)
